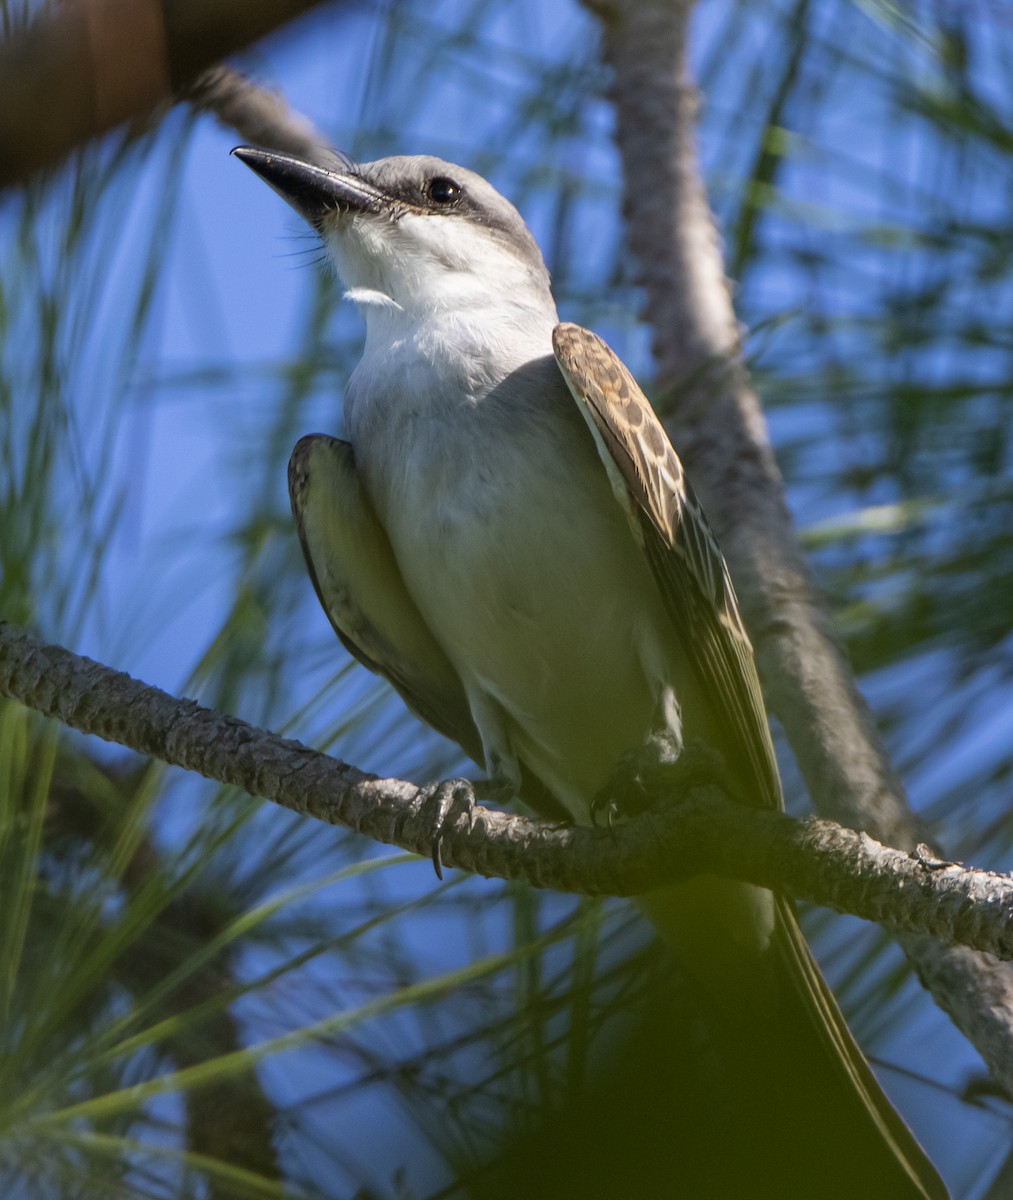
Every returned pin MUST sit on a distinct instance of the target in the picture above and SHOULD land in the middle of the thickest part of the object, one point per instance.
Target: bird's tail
(807, 1104)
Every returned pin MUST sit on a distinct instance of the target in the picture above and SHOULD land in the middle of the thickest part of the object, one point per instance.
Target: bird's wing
(358, 583)
(668, 523)
(666, 519)
(359, 586)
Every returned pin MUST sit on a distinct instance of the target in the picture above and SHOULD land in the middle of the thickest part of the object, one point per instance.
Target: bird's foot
(662, 764)
(444, 802)
(628, 790)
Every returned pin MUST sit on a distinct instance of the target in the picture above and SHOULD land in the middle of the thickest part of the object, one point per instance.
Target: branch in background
(703, 833)
(716, 424)
(82, 68)
(258, 115)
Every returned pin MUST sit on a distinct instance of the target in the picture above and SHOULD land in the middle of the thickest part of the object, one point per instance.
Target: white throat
(441, 281)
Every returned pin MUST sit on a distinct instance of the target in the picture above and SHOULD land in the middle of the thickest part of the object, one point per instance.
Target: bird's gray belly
(530, 579)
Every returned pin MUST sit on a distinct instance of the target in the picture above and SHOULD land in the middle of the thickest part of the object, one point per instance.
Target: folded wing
(359, 586)
(684, 557)
(690, 571)
(358, 583)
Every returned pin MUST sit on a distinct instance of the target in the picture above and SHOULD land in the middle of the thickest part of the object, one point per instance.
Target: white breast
(521, 561)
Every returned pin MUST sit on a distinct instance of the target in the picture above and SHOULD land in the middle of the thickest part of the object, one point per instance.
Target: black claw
(643, 773)
(448, 799)
(613, 810)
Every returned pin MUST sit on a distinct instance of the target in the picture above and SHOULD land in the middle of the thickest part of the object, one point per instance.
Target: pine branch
(701, 831)
(256, 113)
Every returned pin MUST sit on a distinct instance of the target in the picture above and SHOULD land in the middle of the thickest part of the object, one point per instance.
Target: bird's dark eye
(443, 191)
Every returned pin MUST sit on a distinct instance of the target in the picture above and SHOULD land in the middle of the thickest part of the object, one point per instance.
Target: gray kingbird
(509, 538)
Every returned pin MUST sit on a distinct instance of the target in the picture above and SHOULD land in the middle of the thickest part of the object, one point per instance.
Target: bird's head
(412, 233)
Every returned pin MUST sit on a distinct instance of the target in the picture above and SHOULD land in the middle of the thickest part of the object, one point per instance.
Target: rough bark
(698, 831)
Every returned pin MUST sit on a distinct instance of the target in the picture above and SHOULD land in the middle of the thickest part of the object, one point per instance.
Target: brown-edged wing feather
(687, 564)
(690, 571)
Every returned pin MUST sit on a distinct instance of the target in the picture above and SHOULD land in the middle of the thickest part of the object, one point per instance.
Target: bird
(506, 534)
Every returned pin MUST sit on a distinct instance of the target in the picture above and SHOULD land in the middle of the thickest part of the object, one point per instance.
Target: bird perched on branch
(510, 539)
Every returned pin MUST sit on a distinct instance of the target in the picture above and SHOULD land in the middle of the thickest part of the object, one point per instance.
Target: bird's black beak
(312, 190)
